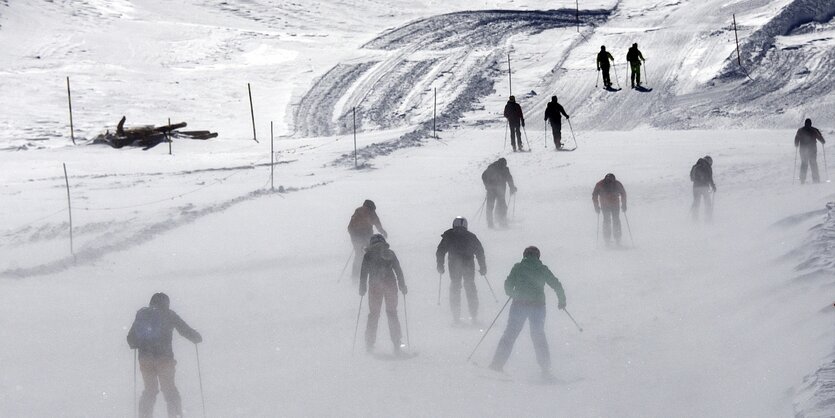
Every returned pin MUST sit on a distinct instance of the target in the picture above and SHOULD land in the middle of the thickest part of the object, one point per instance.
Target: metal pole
(69, 209)
(616, 74)
(435, 114)
(526, 138)
(738, 57)
(168, 136)
(69, 101)
(272, 158)
(440, 280)
(572, 133)
(357, 326)
(509, 75)
(252, 112)
(488, 329)
(350, 256)
(490, 286)
(135, 404)
(200, 378)
(577, 3)
(572, 319)
(355, 137)
(625, 216)
(505, 133)
(406, 319)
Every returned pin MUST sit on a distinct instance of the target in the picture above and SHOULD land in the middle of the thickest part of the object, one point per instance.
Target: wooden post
(69, 209)
(577, 3)
(435, 115)
(738, 57)
(272, 157)
(168, 135)
(69, 101)
(355, 137)
(509, 75)
(252, 112)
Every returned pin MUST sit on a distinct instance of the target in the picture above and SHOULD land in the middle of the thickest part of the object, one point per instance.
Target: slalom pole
(526, 137)
(406, 319)
(490, 286)
(488, 329)
(572, 133)
(572, 319)
(357, 326)
(135, 404)
(440, 280)
(794, 170)
(345, 267)
(200, 378)
(625, 216)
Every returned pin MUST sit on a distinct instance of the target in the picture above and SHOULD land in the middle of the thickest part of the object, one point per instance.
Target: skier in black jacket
(635, 59)
(496, 178)
(806, 142)
(516, 121)
(382, 276)
(553, 112)
(603, 59)
(702, 177)
(461, 245)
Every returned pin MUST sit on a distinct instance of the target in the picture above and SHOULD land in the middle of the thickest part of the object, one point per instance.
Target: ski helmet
(708, 159)
(160, 300)
(602, 48)
(531, 252)
(459, 222)
(808, 123)
(513, 98)
(554, 99)
(635, 45)
(377, 238)
(369, 204)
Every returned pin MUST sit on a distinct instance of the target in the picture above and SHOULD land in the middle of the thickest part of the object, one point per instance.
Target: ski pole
(597, 239)
(491, 288)
(646, 73)
(526, 137)
(200, 378)
(616, 75)
(625, 216)
(572, 133)
(507, 123)
(350, 256)
(440, 280)
(794, 170)
(135, 405)
(825, 168)
(488, 329)
(480, 209)
(598, 78)
(357, 326)
(572, 319)
(626, 80)
(406, 319)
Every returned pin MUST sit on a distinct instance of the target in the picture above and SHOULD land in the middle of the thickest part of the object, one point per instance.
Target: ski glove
(561, 304)
(523, 123)
(513, 190)
(440, 269)
(482, 271)
(403, 289)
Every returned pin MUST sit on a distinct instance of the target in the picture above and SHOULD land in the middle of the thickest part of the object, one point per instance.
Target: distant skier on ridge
(381, 276)
(553, 111)
(805, 141)
(516, 121)
(360, 228)
(609, 197)
(701, 174)
(461, 245)
(496, 178)
(635, 58)
(603, 58)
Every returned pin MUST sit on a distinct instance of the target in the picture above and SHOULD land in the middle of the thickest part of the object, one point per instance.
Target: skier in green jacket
(526, 286)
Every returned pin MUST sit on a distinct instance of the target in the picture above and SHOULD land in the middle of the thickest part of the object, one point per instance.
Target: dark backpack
(149, 329)
(698, 174)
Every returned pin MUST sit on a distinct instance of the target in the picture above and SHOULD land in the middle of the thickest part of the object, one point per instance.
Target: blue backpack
(149, 329)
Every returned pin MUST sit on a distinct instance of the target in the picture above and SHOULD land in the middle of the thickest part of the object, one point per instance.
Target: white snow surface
(730, 319)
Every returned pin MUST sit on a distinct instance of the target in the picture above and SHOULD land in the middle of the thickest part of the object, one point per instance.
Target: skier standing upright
(496, 178)
(635, 59)
(603, 58)
(702, 177)
(609, 197)
(360, 228)
(381, 276)
(516, 121)
(461, 245)
(805, 141)
(151, 334)
(526, 286)
(552, 113)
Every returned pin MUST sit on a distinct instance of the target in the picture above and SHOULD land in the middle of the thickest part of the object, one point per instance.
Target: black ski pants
(378, 291)
(462, 274)
(519, 313)
(495, 199)
(606, 80)
(516, 135)
(699, 193)
(809, 161)
(158, 373)
(636, 73)
(556, 130)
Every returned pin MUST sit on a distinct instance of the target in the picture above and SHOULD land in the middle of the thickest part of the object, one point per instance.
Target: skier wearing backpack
(553, 111)
(635, 59)
(806, 142)
(603, 59)
(526, 286)
(360, 228)
(151, 334)
(609, 197)
(381, 276)
(496, 178)
(702, 177)
(516, 121)
(461, 245)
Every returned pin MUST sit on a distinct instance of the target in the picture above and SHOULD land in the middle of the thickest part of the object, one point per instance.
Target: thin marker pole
(69, 101)
(509, 75)
(252, 112)
(272, 158)
(577, 2)
(355, 137)
(738, 57)
(69, 209)
(435, 114)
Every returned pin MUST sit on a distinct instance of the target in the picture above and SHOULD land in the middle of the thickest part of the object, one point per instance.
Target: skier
(496, 178)
(603, 59)
(702, 177)
(381, 275)
(525, 285)
(635, 58)
(516, 121)
(462, 245)
(804, 140)
(151, 333)
(609, 196)
(552, 112)
(360, 228)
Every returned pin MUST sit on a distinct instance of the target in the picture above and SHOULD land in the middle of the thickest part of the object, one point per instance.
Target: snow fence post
(69, 209)
(252, 112)
(272, 158)
(355, 136)
(69, 101)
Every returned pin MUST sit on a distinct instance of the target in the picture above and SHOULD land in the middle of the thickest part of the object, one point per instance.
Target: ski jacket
(526, 282)
(513, 113)
(553, 111)
(380, 264)
(806, 137)
(363, 222)
(170, 322)
(702, 174)
(608, 194)
(496, 178)
(462, 245)
(603, 58)
(634, 56)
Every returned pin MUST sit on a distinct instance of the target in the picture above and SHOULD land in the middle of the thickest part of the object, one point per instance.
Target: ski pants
(556, 129)
(359, 241)
(606, 80)
(462, 273)
(809, 160)
(611, 220)
(515, 135)
(495, 199)
(699, 193)
(636, 73)
(519, 312)
(378, 291)
(158, 374)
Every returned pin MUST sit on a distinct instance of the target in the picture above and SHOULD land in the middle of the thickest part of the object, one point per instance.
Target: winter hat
(502, 162)
(160, 300)
(708, 159)
(609, 177)
(553, 98)
(377, 238)
(512, 98)
(459, 222)
(808, 123)
(635, 45)
(531, 251)
(602, 48)
(369, 204)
